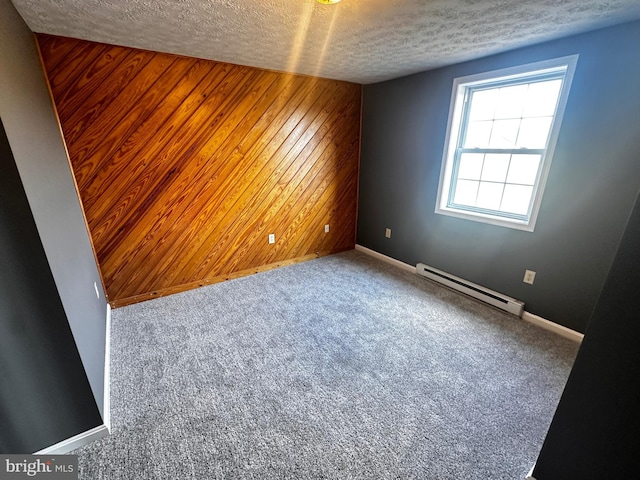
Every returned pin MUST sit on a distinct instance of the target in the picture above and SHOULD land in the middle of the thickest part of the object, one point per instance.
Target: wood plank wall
(184, 166)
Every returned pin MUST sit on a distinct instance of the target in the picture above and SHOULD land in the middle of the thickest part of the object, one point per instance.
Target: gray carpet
(339, 368)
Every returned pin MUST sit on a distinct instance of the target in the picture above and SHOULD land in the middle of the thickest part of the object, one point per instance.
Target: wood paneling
(184, 166)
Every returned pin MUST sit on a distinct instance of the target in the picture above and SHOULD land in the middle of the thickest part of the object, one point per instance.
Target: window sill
(489, 219)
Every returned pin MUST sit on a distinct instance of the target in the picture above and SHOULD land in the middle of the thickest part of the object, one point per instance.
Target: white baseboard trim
(77, 441)
(553, 327)
(106, 406)
(529, 317)
(385, 258)
(530, 474)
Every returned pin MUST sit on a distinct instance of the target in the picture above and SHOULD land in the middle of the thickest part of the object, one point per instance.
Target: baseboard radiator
(496, 299)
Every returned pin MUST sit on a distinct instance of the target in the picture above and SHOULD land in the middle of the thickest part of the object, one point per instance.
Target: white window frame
(454, 128)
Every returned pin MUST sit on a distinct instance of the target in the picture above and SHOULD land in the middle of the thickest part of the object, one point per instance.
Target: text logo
(50, 467)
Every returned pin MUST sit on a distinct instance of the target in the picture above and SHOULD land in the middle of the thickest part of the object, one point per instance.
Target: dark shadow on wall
(45, 396)
(595, 433)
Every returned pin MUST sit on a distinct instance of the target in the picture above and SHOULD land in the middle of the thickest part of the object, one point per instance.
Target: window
(502, 130)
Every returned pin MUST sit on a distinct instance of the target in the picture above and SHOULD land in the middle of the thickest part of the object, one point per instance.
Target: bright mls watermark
(50, 467)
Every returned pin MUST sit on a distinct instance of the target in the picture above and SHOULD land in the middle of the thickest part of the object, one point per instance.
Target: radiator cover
(486, 295)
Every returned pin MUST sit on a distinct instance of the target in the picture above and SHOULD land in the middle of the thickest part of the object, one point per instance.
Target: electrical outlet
(529, 276)
(95, 286)
(387, 233)
(272, 238)
(326, 228)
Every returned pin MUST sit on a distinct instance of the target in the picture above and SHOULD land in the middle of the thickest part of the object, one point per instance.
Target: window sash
(557, 74)
(517, 151)
(487, 211)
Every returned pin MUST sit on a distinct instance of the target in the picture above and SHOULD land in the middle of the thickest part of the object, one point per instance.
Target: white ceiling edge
(361, 41)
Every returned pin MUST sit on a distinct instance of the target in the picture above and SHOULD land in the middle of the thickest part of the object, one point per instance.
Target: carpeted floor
(339, 368)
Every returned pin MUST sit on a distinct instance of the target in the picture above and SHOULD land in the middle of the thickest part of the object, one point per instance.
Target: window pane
(516, 199)
(511, 101)
(504, 133)
(470, 166)
(478, 134)
(466, 192)
(483, 104)
(495, 167)
(523, 169)
(490, 195)
(534, 132)
(542, 98)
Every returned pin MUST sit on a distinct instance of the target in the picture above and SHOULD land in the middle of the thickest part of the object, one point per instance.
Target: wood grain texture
(184, 166)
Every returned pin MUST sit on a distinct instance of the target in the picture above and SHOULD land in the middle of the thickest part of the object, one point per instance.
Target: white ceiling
(361, 41)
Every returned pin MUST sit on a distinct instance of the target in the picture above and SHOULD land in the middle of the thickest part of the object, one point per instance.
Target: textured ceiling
(362, 41)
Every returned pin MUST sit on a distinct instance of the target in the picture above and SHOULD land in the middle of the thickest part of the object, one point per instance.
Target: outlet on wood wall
(185, 166)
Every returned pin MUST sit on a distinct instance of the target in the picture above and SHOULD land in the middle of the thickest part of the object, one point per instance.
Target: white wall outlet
(272, 238)
(387, 233)
(529, 276)
(326, 228)
(95, 286)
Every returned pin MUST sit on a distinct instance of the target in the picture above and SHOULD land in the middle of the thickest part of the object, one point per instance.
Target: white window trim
(453, 127)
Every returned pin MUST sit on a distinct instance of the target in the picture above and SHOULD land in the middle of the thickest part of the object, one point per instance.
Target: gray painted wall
(35, 139)
(44, 393)
(592, 185)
